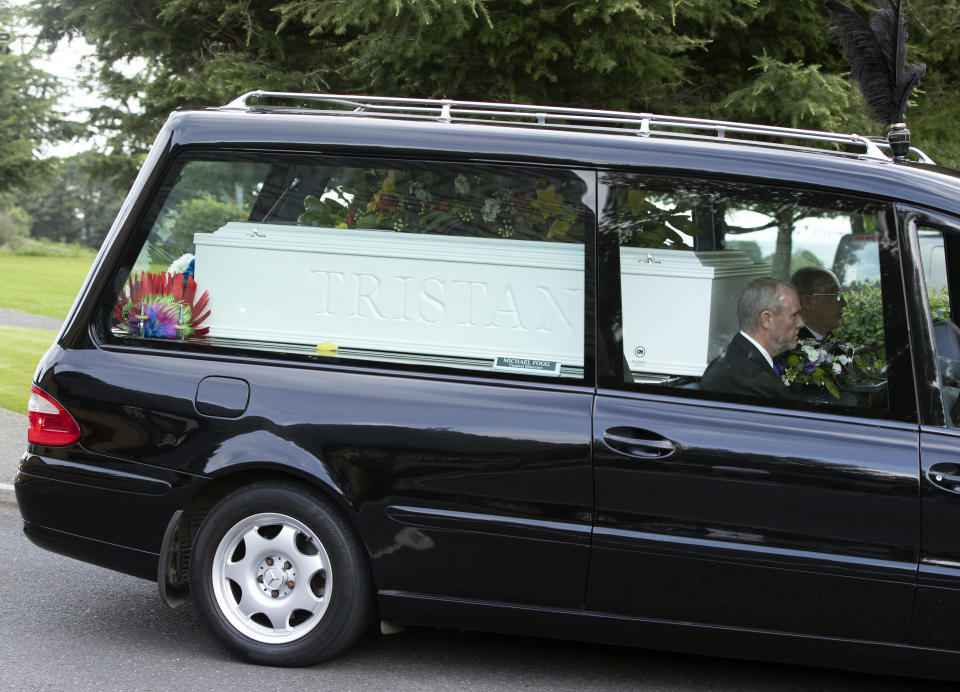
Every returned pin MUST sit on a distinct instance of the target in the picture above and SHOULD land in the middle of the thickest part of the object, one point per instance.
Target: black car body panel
(582, 507)
(835, 519)
(464, 466)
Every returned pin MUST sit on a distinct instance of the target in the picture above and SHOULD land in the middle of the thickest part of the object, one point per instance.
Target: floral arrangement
(429, 202)
(163, 305)
(831, 365)
(184, 264)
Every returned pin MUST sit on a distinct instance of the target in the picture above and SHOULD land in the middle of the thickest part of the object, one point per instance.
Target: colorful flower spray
(163, 305)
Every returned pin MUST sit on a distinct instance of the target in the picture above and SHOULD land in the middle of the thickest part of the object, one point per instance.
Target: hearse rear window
(405, 262)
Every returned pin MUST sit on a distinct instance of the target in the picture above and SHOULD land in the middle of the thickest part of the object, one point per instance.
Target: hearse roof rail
(563, 118)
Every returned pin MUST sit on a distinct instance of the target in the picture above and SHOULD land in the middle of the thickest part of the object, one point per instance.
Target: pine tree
(763, 61)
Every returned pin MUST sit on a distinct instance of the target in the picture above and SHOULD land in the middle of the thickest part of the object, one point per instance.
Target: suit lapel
(760, 363)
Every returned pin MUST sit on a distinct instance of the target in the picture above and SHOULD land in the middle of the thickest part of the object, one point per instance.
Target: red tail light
(50, 424)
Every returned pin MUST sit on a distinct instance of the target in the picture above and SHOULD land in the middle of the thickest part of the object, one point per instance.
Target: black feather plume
(877, 53)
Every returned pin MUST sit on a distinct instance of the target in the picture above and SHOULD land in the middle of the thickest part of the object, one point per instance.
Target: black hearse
(353, 359)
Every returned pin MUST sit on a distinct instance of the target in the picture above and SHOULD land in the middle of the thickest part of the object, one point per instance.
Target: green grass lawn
(20, 350)
(41, 285)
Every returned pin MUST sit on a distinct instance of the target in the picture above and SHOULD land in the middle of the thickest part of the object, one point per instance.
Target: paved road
(70, 625)
(13, 440)
(20, 319)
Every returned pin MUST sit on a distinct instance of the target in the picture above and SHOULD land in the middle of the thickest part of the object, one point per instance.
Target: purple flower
(780, 364)
(809, 367)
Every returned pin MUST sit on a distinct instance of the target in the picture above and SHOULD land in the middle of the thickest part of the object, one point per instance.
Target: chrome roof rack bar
(563, 118)
(917, 154)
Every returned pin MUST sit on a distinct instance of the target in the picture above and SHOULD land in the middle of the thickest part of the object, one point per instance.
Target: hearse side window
(687, 249)
(409, 263)
(932, 240)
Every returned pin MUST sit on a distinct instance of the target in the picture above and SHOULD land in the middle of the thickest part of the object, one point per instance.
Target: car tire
(279, 576)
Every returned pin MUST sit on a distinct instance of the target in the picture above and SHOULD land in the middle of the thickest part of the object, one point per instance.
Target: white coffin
(680, 307)
(484, 298)
(401, 293)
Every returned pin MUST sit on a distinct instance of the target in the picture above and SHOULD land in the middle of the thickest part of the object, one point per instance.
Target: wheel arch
(180, 537)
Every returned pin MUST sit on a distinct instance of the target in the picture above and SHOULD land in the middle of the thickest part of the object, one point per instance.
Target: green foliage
(795, 376)
(41, 247)
(758, 61)
(795, 94)
(14, 227)
(191, 53)
(939, 304)
(933, 117)
(203, 214)
(862, 321)
(326, 213)
(208, 195)
(27, 115)
(660, 55)
(829, 364)
(26, 101)
(529, 206)
(934, 128)
(75, 203)
(606, 52)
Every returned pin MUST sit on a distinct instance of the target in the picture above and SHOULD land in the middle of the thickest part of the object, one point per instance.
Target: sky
(65, 63)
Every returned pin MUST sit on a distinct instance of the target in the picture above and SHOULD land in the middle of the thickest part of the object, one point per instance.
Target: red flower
(351, 219)
(443, 205)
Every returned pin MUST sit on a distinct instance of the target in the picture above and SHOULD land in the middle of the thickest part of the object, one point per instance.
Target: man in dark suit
(769, 315)
(821, 301)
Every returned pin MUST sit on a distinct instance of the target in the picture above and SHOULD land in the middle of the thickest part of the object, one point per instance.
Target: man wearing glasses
(821, 301)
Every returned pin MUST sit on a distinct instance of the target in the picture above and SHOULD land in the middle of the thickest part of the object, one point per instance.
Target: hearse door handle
(638, 443)
(946, 476)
